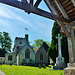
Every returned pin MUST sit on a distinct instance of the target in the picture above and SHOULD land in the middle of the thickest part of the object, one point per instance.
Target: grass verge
(28, 70)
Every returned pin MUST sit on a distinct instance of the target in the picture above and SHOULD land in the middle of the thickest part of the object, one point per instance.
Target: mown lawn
(27, 70)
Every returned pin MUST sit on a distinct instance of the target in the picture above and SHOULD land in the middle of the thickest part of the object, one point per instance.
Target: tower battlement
(19, 38)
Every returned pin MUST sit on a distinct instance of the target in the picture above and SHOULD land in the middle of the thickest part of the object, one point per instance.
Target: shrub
(39, 65)
(44, 65)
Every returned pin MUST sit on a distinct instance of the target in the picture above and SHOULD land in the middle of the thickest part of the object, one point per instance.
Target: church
(23, 53)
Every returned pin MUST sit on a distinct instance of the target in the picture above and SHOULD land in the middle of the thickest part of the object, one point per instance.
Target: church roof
(37, 49)
(44, 45)
(24, 46)
(10, 53)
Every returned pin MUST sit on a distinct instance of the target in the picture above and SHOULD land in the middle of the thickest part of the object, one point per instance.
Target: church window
(18, 47)
(27, 54)
(41, 56)
(20, 42)
(10, 57)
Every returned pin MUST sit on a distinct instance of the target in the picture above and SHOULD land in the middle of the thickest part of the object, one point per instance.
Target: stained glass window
(27, 54)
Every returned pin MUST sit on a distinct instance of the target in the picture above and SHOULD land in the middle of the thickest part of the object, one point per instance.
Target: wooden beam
(25, 1)
(37, 3)
(53, 10)
(72, 25)
(73, 1)
(29, 8)
(51, 7)
(64, 29)
(30, 2)
(61, 9)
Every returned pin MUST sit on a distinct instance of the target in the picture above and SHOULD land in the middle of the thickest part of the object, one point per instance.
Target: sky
(14, 21)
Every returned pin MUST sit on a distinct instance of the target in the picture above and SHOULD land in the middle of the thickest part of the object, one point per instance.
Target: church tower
(20, 42)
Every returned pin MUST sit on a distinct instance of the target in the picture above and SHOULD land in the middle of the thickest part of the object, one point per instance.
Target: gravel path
(1, 73)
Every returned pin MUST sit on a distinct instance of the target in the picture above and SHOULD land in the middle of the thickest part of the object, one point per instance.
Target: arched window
(10, 58)
(20, 42)
(27, 54)
(41, 56)
(18, 47)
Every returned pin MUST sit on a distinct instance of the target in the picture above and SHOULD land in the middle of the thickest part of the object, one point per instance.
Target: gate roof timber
(65, 7)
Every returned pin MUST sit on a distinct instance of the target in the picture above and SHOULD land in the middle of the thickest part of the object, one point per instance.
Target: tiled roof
(37, 49)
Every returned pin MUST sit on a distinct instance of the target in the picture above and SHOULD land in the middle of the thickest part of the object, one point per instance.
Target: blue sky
(14, 21)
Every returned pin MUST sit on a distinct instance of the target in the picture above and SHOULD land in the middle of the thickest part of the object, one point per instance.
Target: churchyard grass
(28, 70)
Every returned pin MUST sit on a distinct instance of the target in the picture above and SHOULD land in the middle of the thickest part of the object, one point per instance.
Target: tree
(38, 43)
(5, 42)
(53, 50)
(64, 48)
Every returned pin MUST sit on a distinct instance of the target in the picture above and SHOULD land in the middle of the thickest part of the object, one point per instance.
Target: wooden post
(73, 42)
(70, 70)
(71, 60)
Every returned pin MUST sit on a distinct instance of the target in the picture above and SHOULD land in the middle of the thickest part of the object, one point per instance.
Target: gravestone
(60, 64)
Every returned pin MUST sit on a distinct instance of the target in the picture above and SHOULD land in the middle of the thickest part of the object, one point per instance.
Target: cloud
(43, 27)
(6, 12)
(3, 13)
(16, 20)
(9, 14)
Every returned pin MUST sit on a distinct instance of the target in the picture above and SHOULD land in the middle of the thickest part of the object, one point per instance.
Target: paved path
(1, 73)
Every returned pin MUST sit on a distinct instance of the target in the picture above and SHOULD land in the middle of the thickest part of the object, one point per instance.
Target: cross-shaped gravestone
(60, 64)
(59, 45)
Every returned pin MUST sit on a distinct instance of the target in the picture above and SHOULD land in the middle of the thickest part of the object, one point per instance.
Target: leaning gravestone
(60, 64)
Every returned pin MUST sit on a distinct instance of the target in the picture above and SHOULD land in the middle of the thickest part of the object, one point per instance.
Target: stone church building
(23, 53)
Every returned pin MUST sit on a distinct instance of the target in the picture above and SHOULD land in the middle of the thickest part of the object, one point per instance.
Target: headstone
(60, 64)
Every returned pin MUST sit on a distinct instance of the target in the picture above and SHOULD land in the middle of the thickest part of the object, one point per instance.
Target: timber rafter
(67, 7)
(37, 3)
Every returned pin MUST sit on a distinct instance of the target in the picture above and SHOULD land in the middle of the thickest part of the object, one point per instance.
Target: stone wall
(69, 71)
(2, 60)
(45, 56)
(21, 55)
(13, 58)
